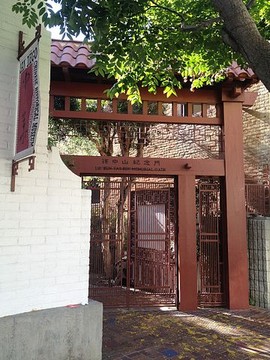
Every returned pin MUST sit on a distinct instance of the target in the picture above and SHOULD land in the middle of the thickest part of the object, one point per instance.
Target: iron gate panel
(209, 246)
(132, 246)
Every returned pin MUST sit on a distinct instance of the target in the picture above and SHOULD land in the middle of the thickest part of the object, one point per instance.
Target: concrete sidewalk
(202, 334)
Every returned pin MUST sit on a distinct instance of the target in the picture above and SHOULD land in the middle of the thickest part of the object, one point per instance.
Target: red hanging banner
(29, 102)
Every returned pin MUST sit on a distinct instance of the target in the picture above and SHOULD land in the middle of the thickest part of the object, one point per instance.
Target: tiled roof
(76, 54)
(235, 72)
(71, 54)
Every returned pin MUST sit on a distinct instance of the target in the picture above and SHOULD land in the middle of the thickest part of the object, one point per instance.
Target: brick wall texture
(44, 224)
(256, 128)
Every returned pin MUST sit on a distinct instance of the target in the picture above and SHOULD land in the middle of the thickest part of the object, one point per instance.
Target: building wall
(44, 224)
(256, 127)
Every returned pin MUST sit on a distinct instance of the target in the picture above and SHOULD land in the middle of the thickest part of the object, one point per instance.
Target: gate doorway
(132, 242)
(210, 244)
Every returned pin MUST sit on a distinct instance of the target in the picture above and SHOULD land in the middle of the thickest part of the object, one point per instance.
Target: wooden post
(187, 261)
(237, 262)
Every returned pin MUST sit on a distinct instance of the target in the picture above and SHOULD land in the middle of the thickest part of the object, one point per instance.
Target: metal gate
(209, 245)
(132, 244)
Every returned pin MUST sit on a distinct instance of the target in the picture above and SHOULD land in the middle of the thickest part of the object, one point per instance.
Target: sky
(55, 30)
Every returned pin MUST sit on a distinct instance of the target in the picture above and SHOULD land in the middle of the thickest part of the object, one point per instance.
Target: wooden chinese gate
(205, 128)
(132, 246)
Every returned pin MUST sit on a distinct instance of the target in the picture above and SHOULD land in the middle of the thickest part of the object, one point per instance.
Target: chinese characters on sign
(130, 164)
(29, 102)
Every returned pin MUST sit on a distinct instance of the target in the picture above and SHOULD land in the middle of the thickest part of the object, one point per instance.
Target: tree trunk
(121, 228)
(241, 33)
(106, 230)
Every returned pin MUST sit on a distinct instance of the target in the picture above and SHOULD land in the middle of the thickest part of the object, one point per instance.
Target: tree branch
(195, 27)
(168, 9)
(250, 4)
(201, 25)
(229, 40)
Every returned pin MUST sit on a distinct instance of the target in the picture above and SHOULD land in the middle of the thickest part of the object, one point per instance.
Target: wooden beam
(250, 98)
(236, 91)
(102, 116)
(237, 263)
(187, 259)
(94, 91)
(109, 165)
(66, 74)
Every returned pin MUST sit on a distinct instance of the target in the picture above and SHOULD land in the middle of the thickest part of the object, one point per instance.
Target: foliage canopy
(151, 42)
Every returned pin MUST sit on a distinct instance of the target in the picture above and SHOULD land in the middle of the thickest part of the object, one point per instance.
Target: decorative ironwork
(209, 245)
(257, 199)
(132, 261)
(21, 43)
(15, 168)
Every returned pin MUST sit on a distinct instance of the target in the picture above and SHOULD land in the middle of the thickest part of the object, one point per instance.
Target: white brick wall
(44, 224)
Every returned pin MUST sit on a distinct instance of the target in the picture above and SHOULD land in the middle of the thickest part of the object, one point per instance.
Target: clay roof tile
(76, 54)
(71, 53)
(235, 72)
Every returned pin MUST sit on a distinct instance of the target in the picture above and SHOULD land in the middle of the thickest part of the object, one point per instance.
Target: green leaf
(42, 11)
(138, 42)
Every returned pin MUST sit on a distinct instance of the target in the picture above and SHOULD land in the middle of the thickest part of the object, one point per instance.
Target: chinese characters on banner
(29, 102)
